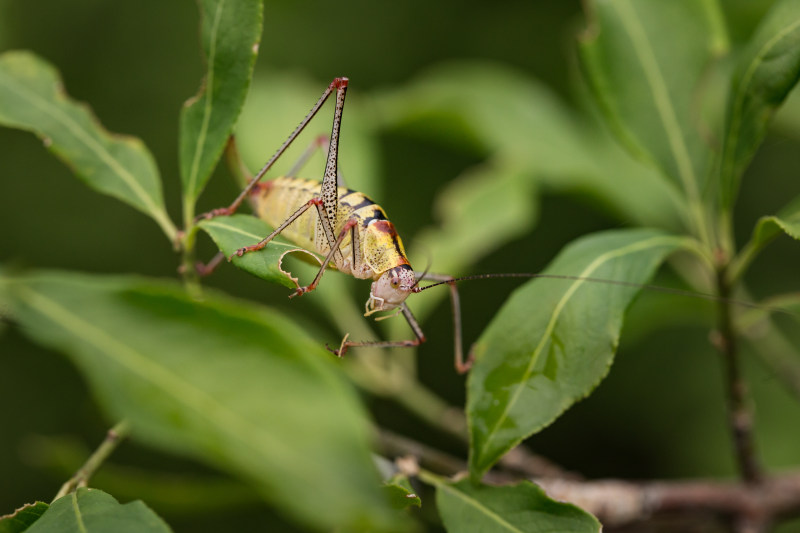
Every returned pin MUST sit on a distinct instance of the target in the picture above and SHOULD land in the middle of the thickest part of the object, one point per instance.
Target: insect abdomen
(379, 245)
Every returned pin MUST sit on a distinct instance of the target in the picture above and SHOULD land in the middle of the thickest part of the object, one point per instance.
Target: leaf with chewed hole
(554, 340)
(238, 231)
(224, 381)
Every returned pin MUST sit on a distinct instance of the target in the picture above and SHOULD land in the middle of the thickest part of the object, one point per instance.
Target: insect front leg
(462, 366)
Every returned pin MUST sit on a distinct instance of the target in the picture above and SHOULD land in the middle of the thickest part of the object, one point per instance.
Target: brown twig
(109, 444)
(740, 419)
(516, 464)
(747, 507)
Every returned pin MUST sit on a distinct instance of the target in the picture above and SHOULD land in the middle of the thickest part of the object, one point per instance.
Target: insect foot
(299, 291)
(342, 347)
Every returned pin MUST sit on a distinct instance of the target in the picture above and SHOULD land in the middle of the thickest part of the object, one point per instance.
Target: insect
(351, 231)
(355, 237)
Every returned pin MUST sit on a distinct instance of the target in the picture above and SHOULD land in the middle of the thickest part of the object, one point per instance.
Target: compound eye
(394, 283)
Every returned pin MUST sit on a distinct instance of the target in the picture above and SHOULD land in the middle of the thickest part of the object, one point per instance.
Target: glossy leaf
(94, 511)
(229, 383)
(467, 508)
(32, 98)
(645, 62)
(554, 340)
(230, 33)
(21, 519)
(767, 71)
(238, 231)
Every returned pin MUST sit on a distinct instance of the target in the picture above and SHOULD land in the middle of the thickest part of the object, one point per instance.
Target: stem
(109, 444)
(188, 270)
(697, 216)
(739, 417)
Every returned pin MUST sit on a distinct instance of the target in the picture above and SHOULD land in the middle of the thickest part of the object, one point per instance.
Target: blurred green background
(660, 413)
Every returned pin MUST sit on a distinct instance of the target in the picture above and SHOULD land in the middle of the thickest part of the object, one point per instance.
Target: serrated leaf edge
(585, 273)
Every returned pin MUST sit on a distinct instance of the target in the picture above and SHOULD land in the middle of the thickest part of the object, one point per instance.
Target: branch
(109, 444)
(617, 503)
(740, 419)
(749, 507)
(518, 463)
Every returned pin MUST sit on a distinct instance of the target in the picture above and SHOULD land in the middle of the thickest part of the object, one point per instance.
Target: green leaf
(766, 229)
(529, 132)
(767, 71)
(645, 62)
(788, 221)
(94, 511)
(524, 507)
(230, 33)
(401, 494)
(554, 340)
(32, 98)
(233, 384)
(21, 519)
(237, 231)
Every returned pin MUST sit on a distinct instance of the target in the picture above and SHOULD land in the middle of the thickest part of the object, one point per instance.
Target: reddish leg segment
(338, 84)
(349, 226)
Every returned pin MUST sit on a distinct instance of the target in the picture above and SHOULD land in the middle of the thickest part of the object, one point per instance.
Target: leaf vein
(666, 111)
(208, 104)
(87, 139)
(478, 505)
(587, 272)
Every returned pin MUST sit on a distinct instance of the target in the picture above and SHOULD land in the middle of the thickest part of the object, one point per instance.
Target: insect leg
(461, 365)
(339, 84)
(263, 242)
(207, 268)
(335, 249)
(319, 142)
(410, 343)
(329, 190)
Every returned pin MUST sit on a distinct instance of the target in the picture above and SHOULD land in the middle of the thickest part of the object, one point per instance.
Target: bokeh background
(660, 413)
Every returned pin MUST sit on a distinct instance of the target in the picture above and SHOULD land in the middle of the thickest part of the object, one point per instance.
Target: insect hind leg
(338, 85)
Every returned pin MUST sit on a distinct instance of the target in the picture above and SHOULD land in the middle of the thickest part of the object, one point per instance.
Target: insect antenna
(657, 288)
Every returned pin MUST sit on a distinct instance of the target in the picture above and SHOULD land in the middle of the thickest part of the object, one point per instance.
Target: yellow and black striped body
(378, 248)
